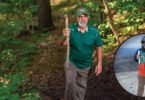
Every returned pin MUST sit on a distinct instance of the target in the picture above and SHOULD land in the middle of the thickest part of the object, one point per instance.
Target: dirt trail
(49, 75)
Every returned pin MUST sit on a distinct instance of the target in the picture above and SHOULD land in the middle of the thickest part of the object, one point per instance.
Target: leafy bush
(10, 88)
(15, 52)
(131, 16)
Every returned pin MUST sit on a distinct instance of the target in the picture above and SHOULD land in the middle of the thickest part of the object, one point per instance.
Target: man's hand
(137, 56)
(98, 69)
(66, 31)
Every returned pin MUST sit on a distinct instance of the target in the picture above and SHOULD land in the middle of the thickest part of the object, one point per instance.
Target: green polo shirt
(82, 45)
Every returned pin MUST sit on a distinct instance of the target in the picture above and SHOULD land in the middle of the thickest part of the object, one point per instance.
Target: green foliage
(9, 53)
(31, 95)
(128, 19)
(104, 28)
(10, 88)
(31, 11)
(132, 15)
(16, 52)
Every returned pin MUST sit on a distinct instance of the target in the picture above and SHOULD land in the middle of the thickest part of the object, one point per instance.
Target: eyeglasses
(84, 16)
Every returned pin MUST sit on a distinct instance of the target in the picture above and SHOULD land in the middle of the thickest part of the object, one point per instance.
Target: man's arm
(98, 68)
(137, 56)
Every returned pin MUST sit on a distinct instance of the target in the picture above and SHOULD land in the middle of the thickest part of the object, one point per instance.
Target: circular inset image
(129, 65)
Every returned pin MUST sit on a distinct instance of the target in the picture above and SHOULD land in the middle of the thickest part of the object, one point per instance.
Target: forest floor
(48, 74)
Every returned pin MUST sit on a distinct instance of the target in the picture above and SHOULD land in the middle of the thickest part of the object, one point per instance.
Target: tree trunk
(44, 14)
(102, 17)
(112, 25)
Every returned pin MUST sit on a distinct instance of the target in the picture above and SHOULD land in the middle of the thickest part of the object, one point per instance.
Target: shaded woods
(31, 60)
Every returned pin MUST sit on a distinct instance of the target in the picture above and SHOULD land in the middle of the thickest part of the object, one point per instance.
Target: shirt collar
(85, 30)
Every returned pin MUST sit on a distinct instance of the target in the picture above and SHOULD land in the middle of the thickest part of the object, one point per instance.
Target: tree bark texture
(44, 14)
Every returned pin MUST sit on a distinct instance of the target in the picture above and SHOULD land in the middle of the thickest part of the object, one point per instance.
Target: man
(140, 57)
(82, 37)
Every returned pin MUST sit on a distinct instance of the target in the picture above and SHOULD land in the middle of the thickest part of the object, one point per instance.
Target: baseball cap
(82, 11)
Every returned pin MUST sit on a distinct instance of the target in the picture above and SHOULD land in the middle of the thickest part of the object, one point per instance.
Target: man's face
(82, 20)
(143, 44)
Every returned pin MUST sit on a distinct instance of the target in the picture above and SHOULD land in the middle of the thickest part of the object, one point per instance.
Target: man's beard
(82, 23)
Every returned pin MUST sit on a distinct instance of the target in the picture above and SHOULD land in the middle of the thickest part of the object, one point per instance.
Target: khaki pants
(76, 82)
(141, 84)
